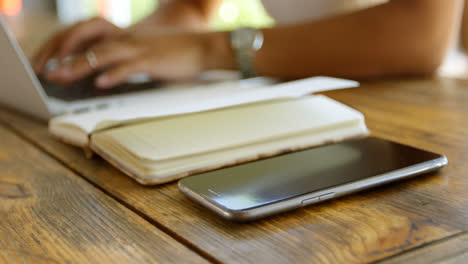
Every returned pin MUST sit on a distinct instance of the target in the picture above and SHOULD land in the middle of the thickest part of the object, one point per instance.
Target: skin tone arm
(171, 15)
(400, 37)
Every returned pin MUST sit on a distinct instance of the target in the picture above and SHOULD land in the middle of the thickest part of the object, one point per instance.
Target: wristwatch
(245, 41)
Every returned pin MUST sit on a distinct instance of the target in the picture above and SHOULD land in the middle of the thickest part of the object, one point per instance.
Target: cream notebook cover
(164, 142)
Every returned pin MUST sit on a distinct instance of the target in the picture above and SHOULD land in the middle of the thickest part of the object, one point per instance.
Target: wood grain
(430, 114)
(49, 215)
(364, 227)
(454, 250)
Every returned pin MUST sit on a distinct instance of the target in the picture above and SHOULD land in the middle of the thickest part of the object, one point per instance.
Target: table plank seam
(435, 242)
(134, 210)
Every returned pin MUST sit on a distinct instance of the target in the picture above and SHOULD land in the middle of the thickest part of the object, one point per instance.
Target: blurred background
(125, 12)
(33, 21)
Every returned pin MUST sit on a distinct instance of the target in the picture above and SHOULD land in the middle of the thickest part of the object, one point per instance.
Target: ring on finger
(92, 60)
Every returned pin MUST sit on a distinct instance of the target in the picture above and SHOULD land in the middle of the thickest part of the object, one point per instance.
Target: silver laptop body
(19, 86)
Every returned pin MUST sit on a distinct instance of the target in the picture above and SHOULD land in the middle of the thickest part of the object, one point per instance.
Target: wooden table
(58, 206)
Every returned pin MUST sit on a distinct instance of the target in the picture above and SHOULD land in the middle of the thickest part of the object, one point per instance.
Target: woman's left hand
(163, 57)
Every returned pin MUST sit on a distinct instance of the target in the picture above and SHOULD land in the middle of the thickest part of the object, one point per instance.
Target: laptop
(22, 90)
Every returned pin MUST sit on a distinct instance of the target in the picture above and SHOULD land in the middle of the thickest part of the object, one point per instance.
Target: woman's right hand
(73, 40)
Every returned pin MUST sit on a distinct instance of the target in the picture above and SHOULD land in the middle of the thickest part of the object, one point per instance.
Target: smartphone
(266, 187)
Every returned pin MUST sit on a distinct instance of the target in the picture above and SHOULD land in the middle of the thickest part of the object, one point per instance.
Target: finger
(83, 35)
(105, 54)
(47, 51)
(120, 74)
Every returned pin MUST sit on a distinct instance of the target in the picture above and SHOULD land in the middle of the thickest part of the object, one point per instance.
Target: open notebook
(175, 138)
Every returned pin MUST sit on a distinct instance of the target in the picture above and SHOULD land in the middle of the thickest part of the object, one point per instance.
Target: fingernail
(67, 60)
(103, 81)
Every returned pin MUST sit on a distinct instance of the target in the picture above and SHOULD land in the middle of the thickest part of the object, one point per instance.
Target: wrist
(218, 53)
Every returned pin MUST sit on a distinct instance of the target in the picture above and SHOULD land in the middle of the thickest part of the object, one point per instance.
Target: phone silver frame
(314, 197)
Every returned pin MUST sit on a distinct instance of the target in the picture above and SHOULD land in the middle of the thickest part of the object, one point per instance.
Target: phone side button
(326, 196)
(310, 200)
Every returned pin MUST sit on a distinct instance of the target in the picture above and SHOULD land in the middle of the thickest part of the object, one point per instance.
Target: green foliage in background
(90, 6)
(142, 8)
(250, 13)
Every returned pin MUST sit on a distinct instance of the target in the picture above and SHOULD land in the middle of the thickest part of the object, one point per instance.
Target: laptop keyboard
(85, 89)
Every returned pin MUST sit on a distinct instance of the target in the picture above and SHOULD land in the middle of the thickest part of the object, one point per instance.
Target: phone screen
(271, 180)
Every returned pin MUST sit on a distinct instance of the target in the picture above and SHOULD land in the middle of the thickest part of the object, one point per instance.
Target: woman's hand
(75, 39)
(163, 57)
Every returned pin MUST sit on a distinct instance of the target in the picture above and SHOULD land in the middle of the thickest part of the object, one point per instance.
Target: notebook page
(210, 131)
(198, 100)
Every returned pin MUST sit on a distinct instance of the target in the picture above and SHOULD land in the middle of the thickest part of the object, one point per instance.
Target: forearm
(401, 37)
(194, 15)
